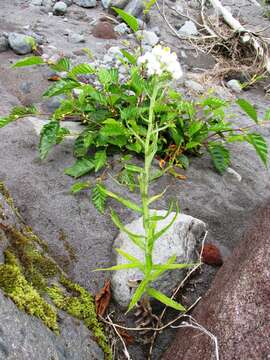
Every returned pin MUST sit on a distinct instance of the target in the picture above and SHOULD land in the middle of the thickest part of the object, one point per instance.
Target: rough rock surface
(236, 309)
(25, 338)
(180, 240)
(20, 43)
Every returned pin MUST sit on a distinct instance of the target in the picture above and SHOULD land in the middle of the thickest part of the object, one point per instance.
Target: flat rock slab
(180, 240)
(236, 309)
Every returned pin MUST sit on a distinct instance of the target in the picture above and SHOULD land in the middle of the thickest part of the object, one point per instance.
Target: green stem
(145, 180)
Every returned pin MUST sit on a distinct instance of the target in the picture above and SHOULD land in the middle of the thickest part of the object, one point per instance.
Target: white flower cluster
(161, 60)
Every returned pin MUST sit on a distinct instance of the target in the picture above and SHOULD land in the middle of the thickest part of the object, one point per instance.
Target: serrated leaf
(79, 186)
(248, 108)
(165, 299)
(29, 61)
(260, 145)
(81, 69)
(62, 133)
(82, 144)
(220, 156)
(99, 198)
(48, 138)
(112, 127)
(100, 160)
(62, 65)
(130, 20)
(61, 87)
(80, 168)
(107, 76)
(23, 110)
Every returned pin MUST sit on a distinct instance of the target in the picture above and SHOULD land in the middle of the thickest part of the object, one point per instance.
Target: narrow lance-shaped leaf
(165, 299)
(138, 293)
(126, 202)
(130, 20)
(131, 258)
(119, 267)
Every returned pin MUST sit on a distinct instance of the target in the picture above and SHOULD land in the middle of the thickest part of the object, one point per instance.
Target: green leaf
(260, 145)
(48, 138)
(112, 127)
(29, 61)
(79, 186)
(119, 267)
(165, 299)
(138, 293)
(6, 120)
(62, 133)
(220, 156)
(107, 76)
(248, 109)
(80, 168)
(61, 87)
(137, 239)
(82, 144)
(100, 160)
(130, 20)
(126, 202)
(99, 198)
(19, 111)
(267, 115)
(129, 56)
(131, 258)
(62, 65)
(81, 69)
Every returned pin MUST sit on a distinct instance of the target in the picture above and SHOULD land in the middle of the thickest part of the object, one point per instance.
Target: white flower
(161, 60)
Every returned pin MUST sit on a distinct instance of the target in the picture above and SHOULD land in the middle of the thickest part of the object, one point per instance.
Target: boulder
(236, 309)
(20, 44)
(181, 240)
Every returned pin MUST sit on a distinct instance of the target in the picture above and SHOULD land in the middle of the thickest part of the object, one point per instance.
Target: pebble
(3, 43)
(121, 29)
(60, 8)
(188, 29)
(86, 3)
(135, 7)
(76, 38)
(20, 44)
(148, 37)
(194, 86)
(234, 85)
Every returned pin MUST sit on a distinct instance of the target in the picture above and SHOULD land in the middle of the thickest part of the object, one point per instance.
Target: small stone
(188, 29)
(86, 3)
(118, 3)
(60, 8)
(148, 37)
(106, 3)
(121, 29)
(194, 86)
(3, 44)
(68, 2)
(156, 30)
(234, 85)
(36, 2)
(211, 255)
(180, 240)
(135, 7)
(104, 30)
(21, 44)
(76, 38)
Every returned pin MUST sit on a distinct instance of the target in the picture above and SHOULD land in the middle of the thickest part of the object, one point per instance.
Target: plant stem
(150, 144)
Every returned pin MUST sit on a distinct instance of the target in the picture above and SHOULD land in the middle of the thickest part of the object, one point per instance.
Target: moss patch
(26, 278)
(24, 295)
(81, 306)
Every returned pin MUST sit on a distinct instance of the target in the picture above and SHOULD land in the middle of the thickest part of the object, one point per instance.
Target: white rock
(181, 240)
(121, 29)
(86, 3)
(76, 38)
(21, 44)
(188, 29)
(194, 86)
(60, 8)
(36, 2)
(235, 85)
(148, 37)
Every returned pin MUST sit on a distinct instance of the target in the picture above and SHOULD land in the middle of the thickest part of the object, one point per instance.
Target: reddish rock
(211, 255)
(104, 30)
(237, 307)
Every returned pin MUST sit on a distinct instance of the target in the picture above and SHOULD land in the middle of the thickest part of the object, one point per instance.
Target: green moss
(81, 306)
(15, 286)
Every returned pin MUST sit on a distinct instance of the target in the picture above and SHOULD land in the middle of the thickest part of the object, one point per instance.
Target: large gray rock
(24, 337)
(86, 3)
(20, 44)
(180, 240)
